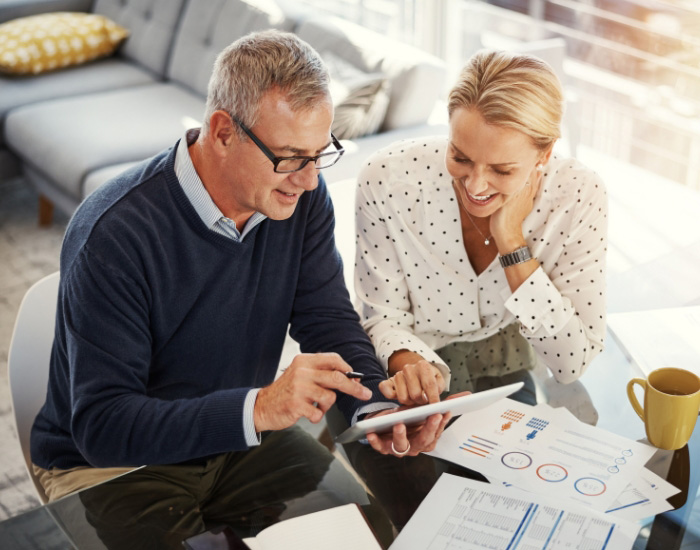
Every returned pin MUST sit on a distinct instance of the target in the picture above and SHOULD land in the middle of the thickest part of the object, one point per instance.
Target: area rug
(27, 253)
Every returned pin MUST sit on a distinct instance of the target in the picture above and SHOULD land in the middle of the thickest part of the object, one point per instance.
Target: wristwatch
(518, 256)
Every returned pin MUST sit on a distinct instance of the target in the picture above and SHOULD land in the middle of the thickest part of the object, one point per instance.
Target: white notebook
(340, 528)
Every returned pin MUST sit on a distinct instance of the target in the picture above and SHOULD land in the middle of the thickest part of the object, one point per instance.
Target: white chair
(28, 361)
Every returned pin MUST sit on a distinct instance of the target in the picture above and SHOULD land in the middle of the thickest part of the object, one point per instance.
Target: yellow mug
(671, 405)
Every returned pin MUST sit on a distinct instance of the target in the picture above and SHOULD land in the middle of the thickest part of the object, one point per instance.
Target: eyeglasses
(285, 165)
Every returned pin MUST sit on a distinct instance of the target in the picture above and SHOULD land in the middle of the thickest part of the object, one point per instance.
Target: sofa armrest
(416, 78)
(13, 9)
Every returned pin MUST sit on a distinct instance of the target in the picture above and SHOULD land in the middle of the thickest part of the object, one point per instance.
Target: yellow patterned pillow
(51, 41)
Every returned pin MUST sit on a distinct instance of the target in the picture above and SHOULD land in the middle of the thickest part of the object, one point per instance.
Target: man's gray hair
(259, 62)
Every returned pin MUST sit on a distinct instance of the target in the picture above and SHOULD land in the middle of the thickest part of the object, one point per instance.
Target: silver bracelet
(518, 256)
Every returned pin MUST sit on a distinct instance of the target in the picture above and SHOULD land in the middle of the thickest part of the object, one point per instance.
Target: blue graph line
(627, 505)
(556, 523)
(513, 544)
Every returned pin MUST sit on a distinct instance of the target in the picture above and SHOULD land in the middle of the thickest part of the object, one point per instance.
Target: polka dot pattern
(416, 285)
(51, 41)
(500, 355)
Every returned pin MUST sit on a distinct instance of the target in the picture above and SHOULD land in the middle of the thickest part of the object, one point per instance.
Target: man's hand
(416, 384)
(305, 389)
(403, 441)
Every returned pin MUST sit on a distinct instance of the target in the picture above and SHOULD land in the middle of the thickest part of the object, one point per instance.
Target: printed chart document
(659, 337)
(644, 497)
(463, 514)
(548, 451)
(340, 528)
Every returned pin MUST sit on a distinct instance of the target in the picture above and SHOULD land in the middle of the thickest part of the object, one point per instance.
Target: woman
(480, 253)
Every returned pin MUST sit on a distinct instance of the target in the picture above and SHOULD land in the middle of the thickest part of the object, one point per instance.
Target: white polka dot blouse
(418, 291)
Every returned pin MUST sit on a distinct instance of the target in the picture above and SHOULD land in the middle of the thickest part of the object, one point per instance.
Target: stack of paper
(548, 451)
(463, 514)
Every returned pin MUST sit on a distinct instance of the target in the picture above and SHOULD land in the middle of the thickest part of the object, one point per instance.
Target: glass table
(388, 489)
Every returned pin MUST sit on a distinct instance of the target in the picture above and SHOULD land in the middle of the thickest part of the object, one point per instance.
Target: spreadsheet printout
(463, 514)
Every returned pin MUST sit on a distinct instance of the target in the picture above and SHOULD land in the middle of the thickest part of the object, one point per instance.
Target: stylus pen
(357, 375)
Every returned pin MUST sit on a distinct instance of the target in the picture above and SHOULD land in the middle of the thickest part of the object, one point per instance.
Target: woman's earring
(540, 167)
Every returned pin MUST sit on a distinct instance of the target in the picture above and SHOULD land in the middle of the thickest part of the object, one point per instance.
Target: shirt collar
(196, 192)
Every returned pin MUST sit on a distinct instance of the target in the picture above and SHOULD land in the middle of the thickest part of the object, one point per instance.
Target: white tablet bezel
(416, 415)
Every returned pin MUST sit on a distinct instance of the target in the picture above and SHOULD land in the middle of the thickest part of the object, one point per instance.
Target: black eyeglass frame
(276, 160)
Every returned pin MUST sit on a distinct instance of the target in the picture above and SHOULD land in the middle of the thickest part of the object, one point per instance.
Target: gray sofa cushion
(12, 9)
(137, 122)
(416, 78)
(208, 26)
(106, 74)
(152, 25)
(95, 179)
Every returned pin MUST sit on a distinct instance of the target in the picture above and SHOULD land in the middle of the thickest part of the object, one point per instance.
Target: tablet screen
(417, 414)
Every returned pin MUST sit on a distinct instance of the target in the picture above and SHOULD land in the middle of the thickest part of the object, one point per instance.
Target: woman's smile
(480, 199)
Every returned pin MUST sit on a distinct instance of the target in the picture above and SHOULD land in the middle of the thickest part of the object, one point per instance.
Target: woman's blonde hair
(514, 90)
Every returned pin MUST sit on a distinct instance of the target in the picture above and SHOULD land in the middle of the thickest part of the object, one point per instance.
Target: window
(635, 66)
(632, 65)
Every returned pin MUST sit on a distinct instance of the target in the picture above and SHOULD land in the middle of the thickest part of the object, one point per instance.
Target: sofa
(70, 130)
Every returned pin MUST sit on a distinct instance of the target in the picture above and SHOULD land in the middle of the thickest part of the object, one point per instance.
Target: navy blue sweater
(163, 325)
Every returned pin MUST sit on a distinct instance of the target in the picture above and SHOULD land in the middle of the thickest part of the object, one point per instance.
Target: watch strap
(518, 256)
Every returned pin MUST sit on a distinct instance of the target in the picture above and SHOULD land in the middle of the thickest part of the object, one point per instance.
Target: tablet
(416, 415)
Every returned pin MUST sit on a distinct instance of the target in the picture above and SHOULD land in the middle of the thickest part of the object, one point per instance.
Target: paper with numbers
(463, 514)
(544, 450)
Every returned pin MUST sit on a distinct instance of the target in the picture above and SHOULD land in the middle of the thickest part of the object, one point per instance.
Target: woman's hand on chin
(507, 222)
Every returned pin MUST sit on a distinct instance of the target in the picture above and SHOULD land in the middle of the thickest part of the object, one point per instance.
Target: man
(179, 280)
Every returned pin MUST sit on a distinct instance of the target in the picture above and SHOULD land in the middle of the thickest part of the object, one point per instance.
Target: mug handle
(633, 398)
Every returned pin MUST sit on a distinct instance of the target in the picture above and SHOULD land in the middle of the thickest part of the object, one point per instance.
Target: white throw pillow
(361, 99)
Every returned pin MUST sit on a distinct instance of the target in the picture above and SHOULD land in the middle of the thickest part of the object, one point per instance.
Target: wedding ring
(401, 453)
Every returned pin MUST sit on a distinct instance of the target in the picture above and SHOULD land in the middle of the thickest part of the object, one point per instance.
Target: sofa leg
(45, 211)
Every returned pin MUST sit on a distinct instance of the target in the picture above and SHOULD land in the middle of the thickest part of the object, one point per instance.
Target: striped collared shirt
(200, 198)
